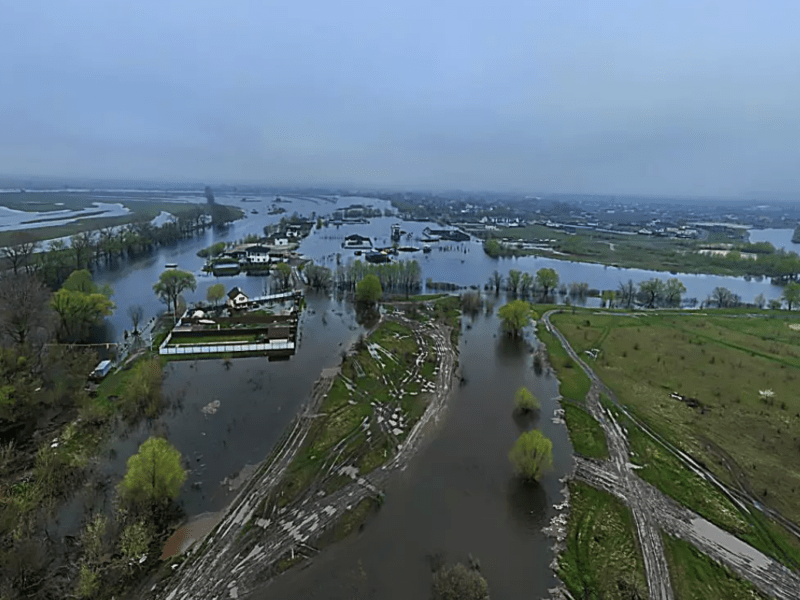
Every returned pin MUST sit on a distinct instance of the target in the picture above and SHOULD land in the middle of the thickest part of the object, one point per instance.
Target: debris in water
(211, 407)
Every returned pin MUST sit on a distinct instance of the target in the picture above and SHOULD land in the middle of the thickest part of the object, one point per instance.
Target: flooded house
(355, 240)
(237, 298)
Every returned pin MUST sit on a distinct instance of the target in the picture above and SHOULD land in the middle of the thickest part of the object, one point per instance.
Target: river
(458, 495)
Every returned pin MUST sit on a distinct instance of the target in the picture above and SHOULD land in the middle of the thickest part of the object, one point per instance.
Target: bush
(525, 401)
(459, 583)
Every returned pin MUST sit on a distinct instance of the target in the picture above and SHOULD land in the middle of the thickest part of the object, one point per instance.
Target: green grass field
(574, 384)
(722, 361)
(697, 577)
(585, 432)
(602, 559)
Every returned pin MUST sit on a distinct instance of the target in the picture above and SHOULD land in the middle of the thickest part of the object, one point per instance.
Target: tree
(775, 304)
(80, 304)
(525, 401)
(284, 274)
(547, 279)
(723, 297)
(20, 251)
(514, 278)
(496, 281)
(526, 284)
(24, 308)
(459, 582)
(136, 314)
(515, 315)
(154, 475)
(651, 292)
(215, 293)
(171, 283)
(532, 455)
(673, 290)
(369, 290)
(135, 540)
(791, 294)
(627, 293)
(760, 301)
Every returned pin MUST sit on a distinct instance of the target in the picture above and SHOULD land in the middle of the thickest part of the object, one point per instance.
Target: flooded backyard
(458, 495)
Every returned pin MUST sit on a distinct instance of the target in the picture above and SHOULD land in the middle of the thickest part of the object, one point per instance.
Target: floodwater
(458, 496)
(780, 238)
(248, 403)
(461, 263)
(11, 219)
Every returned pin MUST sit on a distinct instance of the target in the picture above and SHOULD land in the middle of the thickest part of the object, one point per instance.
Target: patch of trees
(796, 235)
(401, 276)
(525, 402)
(319, 277)
(80, 305)
(520, 283)
(212, 251)
(369, 290)
(171, 284)
(459, 582)
(532, 455)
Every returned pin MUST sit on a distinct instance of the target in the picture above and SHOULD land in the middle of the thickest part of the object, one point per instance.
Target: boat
(254, 211)
(408, 249)
(357, 252)
(426, 248)
(171, 266)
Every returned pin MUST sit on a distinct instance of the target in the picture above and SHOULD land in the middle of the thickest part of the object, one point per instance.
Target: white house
(237, 298)
(258, 254)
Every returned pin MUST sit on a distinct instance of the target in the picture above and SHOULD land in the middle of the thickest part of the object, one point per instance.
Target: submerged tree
(532, 455)
(791, 294)
(136, 313)
(496, 281)
(459, 582)
(80, 304)
(547, 279)
(283, 273)
(368, 290)
(525, 401)
(515, 316)
(155, 474)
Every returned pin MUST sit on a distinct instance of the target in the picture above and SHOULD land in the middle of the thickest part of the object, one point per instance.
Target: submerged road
(653, 511)
(238, 555)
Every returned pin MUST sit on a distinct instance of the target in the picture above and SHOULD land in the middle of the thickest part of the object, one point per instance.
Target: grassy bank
(586, 434)
(574, 384)
(696, 577)
(602, 559)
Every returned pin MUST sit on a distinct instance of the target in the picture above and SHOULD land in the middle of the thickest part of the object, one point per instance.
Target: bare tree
(136, 313)
(25, 314)
(20, 252)
(627, 293)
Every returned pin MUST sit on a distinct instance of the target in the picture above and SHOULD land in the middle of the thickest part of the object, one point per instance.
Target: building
(258, 254)
(356, 241)
(237, 298)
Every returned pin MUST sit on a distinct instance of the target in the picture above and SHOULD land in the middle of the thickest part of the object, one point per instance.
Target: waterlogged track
(653, 511)
(230, 564)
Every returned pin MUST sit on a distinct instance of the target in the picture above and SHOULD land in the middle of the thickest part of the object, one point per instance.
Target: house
(258, 254)
(356, 241)
(237, 298)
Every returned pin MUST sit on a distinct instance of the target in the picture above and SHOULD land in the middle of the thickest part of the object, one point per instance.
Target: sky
(684, 97)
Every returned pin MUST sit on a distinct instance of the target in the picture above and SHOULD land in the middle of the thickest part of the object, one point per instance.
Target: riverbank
(339, 452)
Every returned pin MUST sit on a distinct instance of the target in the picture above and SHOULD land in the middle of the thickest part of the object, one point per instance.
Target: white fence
(278, 345)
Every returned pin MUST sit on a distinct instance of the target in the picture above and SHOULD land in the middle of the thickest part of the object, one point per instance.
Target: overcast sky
(642, 96)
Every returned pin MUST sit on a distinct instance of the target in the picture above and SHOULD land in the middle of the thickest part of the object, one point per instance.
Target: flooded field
(458, 495)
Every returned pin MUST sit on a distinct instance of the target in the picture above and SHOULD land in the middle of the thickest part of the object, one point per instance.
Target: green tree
(171, 283)
(88, 582)
(673, 290)
(369, 290)
(791, 294)
(774, 304)
(652, 292)
(80, 304)
(547, 279)
(515, 316)
(532, 455)
(513, 281)
(525, 401)
(284, 274)
(142, 394)
(215, 293)
(459, 582)
(154, 475)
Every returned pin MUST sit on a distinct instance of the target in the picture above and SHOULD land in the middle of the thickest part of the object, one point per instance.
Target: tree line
(53, 261)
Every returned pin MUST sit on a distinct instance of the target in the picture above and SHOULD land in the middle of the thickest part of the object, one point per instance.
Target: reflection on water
(527, 505)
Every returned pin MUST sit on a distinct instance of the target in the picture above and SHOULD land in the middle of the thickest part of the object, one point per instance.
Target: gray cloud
(680, 97)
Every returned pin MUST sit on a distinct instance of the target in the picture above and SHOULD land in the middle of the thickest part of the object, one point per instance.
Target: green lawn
(602, 559)
(574, 384)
